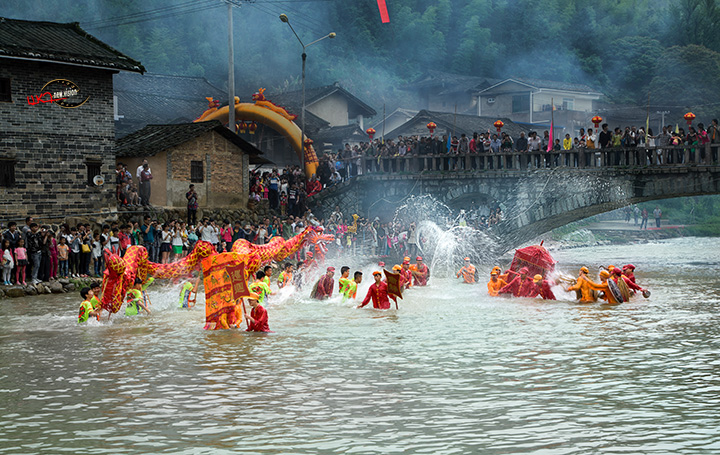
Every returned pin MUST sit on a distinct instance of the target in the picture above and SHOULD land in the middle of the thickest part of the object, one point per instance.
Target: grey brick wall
(51, 144)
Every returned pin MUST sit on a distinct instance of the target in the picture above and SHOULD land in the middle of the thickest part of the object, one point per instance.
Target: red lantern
(431, 126)
(370, 132)
(252, 127)
(242, 127)
(689, 117)
(498, 124)
(597, 120)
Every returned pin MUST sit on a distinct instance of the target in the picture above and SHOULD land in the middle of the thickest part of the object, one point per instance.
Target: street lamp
(285, 19)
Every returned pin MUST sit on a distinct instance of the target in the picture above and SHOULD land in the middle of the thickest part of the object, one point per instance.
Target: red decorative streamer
(383, 11)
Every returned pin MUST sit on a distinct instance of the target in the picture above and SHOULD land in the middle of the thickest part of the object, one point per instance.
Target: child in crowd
(283, 203)
(6, 262)
(63, 252)
(21, 262)
(86, 308)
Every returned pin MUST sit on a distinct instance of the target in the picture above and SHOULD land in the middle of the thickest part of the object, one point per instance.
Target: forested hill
(626, 48)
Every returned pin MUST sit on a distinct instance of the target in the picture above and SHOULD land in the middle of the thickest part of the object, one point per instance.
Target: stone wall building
(205, 154)
(56, 112)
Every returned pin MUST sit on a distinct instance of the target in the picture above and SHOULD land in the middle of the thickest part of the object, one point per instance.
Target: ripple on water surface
(453, 371)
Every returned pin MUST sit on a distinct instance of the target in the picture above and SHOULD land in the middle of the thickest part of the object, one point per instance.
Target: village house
(205, 154)
(56, 111)
(451, 124)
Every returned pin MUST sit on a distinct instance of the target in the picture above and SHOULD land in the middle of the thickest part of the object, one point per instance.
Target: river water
(451, 371)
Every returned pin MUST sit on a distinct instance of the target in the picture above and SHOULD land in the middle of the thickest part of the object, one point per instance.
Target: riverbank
(59, 286)
(599, 233)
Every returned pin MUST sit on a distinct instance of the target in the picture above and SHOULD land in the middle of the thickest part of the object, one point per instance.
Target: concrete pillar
(360, 122)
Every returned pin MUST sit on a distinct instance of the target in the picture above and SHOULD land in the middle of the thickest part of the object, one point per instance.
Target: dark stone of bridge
(535, 202)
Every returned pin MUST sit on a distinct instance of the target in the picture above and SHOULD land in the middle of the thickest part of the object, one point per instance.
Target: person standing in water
(378, 293)
(467, 272)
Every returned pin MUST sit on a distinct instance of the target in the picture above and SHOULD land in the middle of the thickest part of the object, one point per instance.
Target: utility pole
(231, 71)
(662, 116)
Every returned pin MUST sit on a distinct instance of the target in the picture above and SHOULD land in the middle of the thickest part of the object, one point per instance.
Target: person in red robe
(378, 293)
(313, 186)
(257, 321)
(324, 287)
(520, 286)
(421, 274)
(406, 274)
(618, 275)
(629, 271)
(542, 288)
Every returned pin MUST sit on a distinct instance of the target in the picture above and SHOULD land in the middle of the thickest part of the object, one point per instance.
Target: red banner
(393, 283)
(383, 11)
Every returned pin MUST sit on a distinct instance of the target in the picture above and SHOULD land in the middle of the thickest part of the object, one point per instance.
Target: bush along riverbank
(58, 286)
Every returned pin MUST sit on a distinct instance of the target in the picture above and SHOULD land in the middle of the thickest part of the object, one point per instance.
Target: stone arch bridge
(538, 192)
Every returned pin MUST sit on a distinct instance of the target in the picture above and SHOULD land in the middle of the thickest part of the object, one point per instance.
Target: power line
(202, 6)
(139, 14)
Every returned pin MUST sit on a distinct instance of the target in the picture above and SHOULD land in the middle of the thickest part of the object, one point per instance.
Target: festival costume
(468, 274)
(285, 279)
(95, 303)
(379, 295)
(495, 286)
(261, 289)
(323, 288)
(266, 280)
(543, 290)
(422, 278)
(586, 292)
(134, 297)
(85, 309)
(260, 320)
(185, 294)
(605, 288)
(519, 287)
(405, 278)
(348, 289)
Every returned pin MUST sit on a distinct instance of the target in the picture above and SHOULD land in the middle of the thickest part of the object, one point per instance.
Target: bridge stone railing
(658, 157)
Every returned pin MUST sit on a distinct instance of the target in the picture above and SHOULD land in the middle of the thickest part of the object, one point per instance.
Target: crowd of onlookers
(127, 192)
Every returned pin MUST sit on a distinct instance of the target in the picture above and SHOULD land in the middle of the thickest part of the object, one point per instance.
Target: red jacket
(422, 281)
(543, 290)
(259, 314)
(379, 295)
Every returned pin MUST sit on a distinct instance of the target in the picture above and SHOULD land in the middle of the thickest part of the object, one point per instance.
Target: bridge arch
(284, 126)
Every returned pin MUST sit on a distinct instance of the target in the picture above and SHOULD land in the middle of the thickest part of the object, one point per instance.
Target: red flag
(383, 11)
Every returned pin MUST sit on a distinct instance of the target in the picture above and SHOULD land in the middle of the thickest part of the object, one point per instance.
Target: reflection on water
(452, 371)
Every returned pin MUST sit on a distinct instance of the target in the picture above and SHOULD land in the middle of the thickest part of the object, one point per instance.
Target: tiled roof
(459, 123)
(554, 85)
(336, 134)
(446, 83)
(155, 138)
(62, 43)
(293, 100)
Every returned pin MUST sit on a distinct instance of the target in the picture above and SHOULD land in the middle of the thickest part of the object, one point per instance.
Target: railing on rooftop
(658, 157)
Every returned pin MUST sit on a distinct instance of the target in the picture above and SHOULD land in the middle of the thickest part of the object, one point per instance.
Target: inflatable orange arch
(288, 128)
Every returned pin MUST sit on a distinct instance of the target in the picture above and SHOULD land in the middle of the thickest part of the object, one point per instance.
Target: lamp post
(285, 19)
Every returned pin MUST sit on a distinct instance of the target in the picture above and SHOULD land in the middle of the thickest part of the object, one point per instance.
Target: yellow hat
(604, 274)
(496, 268)
(377, 273)
(493, 273)
(611, 267)
(397, 267)
(584, 269)
(537, 278)
(253, 296)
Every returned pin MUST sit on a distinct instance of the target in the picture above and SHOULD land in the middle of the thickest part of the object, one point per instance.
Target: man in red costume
(520, 286)
(629, 271)
(378, 293)
(324, 287)
(257, 321)
(406, 274)
(618, 275)
(421, 273)
(313, 186)
(542, 288)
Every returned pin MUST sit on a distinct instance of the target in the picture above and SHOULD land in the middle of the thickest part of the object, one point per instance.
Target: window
(93, 169)
(569, 104)
(5, 93)
(196, 172)
(7, 173)
(521, 103)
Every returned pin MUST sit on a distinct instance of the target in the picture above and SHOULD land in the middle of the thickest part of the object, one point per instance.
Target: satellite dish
(98, 180)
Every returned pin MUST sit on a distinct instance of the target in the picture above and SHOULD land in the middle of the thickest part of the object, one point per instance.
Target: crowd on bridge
(349, 161)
